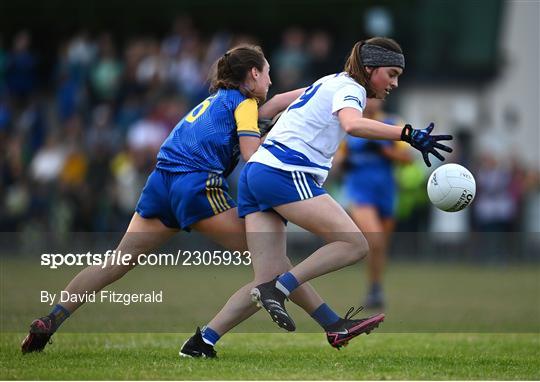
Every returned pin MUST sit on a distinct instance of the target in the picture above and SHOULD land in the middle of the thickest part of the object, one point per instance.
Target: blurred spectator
(290, 60)
(186, 71)
(219, 43)
(76, 150)
(32, 122)
(48, 162)
(103, 138)
(132, 92)
(14, 192)
(106, 72)
(521, 184)
(321, 59)
(70, 82)
(130, 110)
(144, 139)
(172, 109)
(152, 70)
(127, 185)
(3, 64)
(495, 206)
(81, 52)
(21, 68)
(531, 202)
(182, 29)
(5, 114)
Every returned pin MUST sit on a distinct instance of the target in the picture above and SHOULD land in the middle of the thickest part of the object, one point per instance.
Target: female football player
(283, 182)
(370, 189)
(187, 190)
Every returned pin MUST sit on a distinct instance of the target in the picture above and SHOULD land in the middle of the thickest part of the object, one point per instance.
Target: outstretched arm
(353, 123)
(278, 103)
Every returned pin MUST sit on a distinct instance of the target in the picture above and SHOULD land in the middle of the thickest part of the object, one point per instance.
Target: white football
(451, 187)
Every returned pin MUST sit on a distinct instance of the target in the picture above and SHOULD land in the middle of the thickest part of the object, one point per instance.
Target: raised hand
(423, 141)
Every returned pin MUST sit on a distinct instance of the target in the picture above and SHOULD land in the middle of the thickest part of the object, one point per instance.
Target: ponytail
(230, 70)
(356, 69)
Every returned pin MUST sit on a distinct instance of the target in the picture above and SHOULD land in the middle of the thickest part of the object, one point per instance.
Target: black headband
(374, 55)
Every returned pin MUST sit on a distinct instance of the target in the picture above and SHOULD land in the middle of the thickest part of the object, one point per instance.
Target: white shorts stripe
(301, 183)
(296, 185)
(307, 185)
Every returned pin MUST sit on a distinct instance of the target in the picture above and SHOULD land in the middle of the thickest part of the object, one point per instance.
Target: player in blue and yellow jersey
(370, 190)
(187, 190)
(188, 184)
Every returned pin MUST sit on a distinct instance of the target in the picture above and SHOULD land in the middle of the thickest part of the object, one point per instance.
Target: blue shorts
(182, 199)
(261, 187)
(371, 191)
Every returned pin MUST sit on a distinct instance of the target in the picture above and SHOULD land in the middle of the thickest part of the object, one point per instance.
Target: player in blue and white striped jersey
(283, 179)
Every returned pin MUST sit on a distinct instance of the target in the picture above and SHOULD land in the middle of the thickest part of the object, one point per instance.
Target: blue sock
(210, 336)
(58, 315)
(287, 283)
(375, 288)
(325, 316)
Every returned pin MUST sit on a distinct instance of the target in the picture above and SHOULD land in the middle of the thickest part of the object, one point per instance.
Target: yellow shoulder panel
(246, 115)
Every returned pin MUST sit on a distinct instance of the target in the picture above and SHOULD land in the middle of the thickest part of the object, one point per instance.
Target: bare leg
(323, 216)
(268, 248)
(378, 233)
(141, 236)
(144, 235)
(226, 229)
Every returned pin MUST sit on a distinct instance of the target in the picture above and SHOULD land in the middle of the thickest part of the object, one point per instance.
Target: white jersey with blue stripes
(308, 134)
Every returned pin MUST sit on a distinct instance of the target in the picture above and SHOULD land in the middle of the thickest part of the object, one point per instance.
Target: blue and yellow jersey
(365, 154)
(207, 138)
(370, 177)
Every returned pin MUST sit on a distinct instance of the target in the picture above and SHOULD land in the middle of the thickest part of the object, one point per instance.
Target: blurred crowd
(79, 138)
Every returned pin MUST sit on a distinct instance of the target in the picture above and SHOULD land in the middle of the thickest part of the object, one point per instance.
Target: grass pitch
(277, 356)
(444, 322)
(421, 298)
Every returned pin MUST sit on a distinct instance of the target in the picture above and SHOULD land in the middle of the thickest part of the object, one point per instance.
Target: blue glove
(423, 141)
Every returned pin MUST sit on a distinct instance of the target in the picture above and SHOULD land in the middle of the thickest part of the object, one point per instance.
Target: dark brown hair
(229, 72)
(357, 70)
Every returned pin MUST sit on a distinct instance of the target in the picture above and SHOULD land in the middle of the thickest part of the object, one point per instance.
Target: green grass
(421, 298)
(443, 322)
(274, 356)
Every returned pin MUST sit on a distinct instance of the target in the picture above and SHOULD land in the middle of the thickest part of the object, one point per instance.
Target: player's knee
(359, 249)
